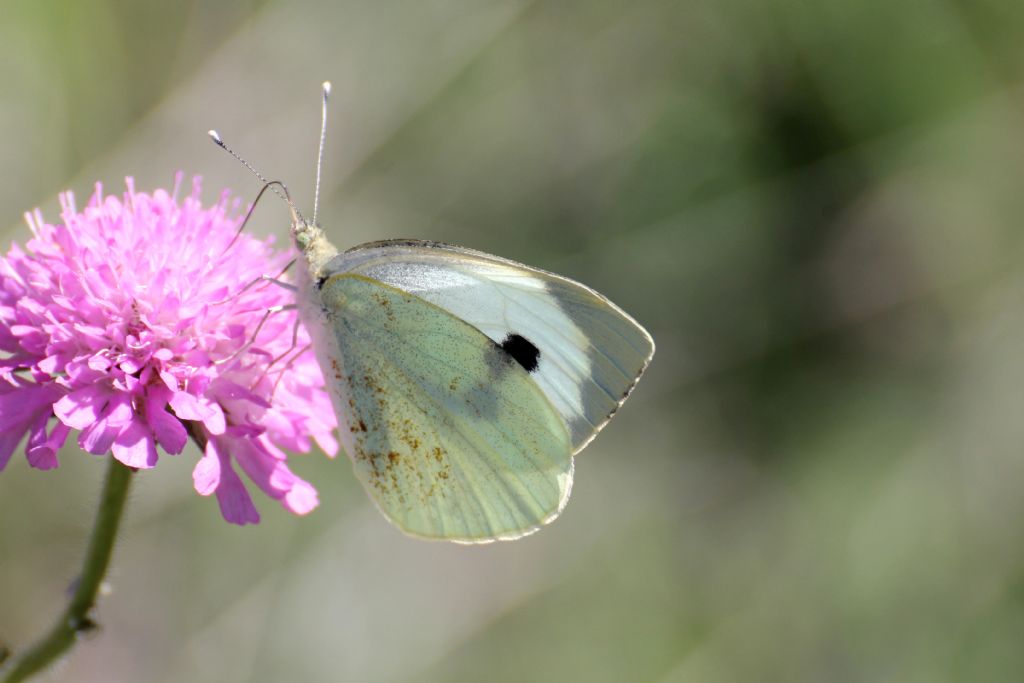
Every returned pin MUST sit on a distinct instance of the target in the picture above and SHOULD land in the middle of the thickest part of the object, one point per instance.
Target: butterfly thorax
(314, 246)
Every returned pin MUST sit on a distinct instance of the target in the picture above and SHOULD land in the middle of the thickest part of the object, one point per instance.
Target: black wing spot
(321, 282)
(522, 351)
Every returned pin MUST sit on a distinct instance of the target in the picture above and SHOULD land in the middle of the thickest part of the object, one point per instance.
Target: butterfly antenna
(282, 193)
(320, 154)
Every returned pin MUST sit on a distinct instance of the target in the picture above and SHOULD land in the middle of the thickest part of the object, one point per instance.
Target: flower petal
(83, 407)
(167, 429)
(98, 437)
(42, 449)
(134, 446)
(301, 499)
(327, 443)
(20, 403)
(273, 476)
(8, 442)
(189, 407)
(235, 503)
(206, 474)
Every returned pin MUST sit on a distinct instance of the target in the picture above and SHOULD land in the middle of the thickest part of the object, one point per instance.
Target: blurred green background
(813, 206)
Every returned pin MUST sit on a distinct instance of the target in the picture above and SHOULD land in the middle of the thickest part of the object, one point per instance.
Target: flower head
(134, 323)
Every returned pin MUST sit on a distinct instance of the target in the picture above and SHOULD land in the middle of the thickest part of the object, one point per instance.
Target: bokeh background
(813, 206)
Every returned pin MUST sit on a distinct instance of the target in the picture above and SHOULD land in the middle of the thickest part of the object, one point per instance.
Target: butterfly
(464, 383)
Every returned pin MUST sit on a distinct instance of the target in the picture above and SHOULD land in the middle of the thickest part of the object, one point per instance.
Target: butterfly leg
(259, 326)
(270, 311)
(261, 279)
(295, 342)
(280, 283)
(291, 361)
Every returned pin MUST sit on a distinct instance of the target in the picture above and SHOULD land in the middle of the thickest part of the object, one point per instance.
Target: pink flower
(131, 323)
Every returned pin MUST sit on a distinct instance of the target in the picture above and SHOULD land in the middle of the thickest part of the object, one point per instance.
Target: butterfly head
(310, 240)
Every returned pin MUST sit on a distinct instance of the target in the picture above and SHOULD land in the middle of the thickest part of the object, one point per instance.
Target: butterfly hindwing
(584, 352)
(447, 431)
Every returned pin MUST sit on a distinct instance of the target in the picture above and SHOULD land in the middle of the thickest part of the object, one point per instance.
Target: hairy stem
(76, 618)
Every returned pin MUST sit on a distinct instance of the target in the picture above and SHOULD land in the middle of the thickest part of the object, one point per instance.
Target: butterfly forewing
(584, 352)
(449, 434)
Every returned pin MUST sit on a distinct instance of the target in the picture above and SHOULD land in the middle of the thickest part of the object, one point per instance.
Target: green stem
(75, 619)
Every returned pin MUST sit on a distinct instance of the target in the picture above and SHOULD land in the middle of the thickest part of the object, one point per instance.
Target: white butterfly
(464, 383)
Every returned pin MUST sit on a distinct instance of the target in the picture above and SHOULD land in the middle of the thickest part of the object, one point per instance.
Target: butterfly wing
(448, 434)
(583, 351)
